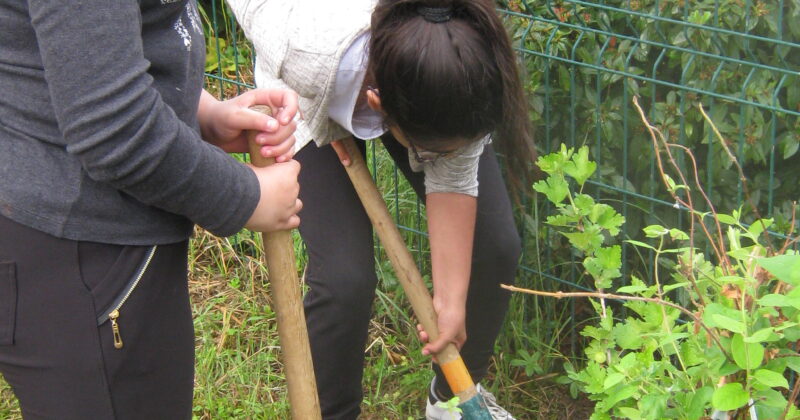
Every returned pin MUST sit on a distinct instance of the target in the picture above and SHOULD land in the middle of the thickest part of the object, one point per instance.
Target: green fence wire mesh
(585, 63)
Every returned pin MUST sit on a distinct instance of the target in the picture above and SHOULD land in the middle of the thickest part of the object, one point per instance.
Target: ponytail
(446, 69)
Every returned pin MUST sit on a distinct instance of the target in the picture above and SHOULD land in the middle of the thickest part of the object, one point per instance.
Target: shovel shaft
(288, 306)
(449, 359)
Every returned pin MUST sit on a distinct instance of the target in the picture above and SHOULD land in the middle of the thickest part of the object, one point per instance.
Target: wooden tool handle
(288, 305)
(406, 269)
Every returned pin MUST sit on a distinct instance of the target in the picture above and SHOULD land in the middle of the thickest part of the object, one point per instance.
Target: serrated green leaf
(607, 322)
(729, 397)
(593, 376)
(593, 267)
(727, 219)
(746, 355)
(580, 167)
(613, 379)
(599, 416)
(560, 220)
(555, 188)
(610, 257)
(771, 379)
(619, 393)
(627, 364)
(584, 204)
(607, 218)
(553, 163)
(594, 332)
(586, 241)
(652, 405)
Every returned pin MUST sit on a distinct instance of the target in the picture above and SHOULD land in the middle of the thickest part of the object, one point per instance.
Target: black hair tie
(435, 14)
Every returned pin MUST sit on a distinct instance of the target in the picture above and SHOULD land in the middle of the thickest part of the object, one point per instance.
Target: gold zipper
(115, 329)
(114, 314)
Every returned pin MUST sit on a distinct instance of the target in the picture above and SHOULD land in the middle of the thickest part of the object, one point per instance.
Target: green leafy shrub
(584, 62)
(714, 332)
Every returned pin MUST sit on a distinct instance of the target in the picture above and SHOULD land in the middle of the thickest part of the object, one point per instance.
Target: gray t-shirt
(98, 124)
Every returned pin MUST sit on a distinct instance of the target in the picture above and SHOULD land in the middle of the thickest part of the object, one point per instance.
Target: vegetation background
(584, 62)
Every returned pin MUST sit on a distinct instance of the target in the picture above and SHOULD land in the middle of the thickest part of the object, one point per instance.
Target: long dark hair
(451, 75)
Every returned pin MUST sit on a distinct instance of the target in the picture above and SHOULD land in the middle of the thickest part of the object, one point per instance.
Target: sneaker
(434, 411)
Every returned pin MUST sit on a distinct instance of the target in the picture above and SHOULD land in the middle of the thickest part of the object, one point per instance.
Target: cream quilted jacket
(300, 44)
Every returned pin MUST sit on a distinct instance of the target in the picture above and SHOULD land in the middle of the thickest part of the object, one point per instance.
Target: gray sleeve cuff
(453, 174)
(202, 182)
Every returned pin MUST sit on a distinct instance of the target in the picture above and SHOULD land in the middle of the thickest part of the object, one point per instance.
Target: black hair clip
(435, 14)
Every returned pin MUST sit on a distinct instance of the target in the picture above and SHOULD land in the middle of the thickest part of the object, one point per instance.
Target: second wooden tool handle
(288, 305)
(449, 359)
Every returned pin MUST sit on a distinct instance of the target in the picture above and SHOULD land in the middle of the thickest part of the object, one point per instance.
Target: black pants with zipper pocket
(62, 354)
(342, 279)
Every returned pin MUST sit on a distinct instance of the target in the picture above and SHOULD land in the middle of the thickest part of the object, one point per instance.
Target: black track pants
(342, 280)
(60, 363)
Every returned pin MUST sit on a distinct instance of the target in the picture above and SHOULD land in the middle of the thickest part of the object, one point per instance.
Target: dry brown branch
(653, 130)
(719, 247)
(789, 240)
(742, 177)
(792, 399)
(560, 295)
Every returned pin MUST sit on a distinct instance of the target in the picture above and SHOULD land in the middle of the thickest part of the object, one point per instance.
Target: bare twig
(792, 399)
(705, 196)
(653, 131)
(742, 177)
(559, 295)
(719, 248)
(791, 241)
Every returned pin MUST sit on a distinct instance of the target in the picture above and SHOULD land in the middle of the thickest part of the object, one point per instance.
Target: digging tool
(471, 404)
(292, 331)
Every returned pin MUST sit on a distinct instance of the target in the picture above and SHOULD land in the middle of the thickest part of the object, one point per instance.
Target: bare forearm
(451, 224)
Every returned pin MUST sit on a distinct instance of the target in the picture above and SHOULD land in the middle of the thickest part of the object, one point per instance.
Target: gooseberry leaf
(580, 167)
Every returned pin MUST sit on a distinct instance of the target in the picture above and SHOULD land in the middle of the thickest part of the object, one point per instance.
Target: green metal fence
(586, 61)
(737, 59)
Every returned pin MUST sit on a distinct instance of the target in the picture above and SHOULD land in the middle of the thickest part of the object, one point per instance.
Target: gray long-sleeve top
(98, 124)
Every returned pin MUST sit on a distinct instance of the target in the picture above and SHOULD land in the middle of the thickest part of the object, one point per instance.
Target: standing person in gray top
(437, 81)
(110, 152)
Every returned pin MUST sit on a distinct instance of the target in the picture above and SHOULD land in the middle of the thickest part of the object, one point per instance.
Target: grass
(238, 369)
